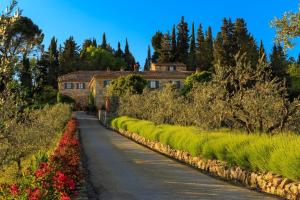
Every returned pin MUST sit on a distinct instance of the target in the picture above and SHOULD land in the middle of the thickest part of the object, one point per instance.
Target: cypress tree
(182, 41)
(148, 60)
(119, 52)
(94, 42)
(104, 43)
(25, 75)
(209, 49)
(128, 57)
(200, 49)
(174, 45)
(192, 52)
(262, 52)
(53, 70)
(165, 52)
(156, 44)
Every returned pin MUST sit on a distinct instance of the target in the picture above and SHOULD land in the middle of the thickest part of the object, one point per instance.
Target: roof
(145, 74)
(169, 64)
(87, 76)
(80, 76)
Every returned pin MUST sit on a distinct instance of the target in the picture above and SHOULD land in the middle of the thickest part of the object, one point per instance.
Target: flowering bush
(54, 179)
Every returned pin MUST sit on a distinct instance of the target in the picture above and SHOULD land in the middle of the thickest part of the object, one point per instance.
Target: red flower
(64, 196)
(35, 194)
(14, 189)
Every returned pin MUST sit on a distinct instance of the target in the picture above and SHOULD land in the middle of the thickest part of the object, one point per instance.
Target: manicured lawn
(279, 154)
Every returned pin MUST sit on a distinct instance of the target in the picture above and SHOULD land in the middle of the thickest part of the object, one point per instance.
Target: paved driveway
(123, 170)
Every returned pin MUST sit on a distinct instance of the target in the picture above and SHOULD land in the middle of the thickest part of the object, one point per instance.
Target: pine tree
(165, 52)
(298, 60)
(69, 56)
(278, 62)
(104, 43)
(156, 44)
(174, 45)
(53, 68)
(225, 46)
(147, 65)
(192, 52)
(209, 49)
(119, 53)
(182, 41)
(200, 49)
(262, 52)
(128, 57)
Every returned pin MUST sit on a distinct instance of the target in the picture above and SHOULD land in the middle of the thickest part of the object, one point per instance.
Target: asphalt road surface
(120, 169)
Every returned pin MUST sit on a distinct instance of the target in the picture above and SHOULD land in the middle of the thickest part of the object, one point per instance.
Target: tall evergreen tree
(147, 65)
(165, 52)
(298, 60)
(200, 49)
(192, 52)
(262, 51)
(119, 53)
(182, 41)
(174, 45)
(156, 44)
(53, 70)
(69, 56)
(278, 62)
(25, 75)
(104, 43)
(128, 57)
(209, 49)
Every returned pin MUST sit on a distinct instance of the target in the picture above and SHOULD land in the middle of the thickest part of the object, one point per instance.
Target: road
(120, 169)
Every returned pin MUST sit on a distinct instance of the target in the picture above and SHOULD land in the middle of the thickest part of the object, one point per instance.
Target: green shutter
(157, 84)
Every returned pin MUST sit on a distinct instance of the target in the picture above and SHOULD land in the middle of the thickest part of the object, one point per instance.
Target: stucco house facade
(78, 85)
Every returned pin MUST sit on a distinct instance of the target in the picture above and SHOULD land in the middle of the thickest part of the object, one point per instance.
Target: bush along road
(53, 177)
(243, 153)
(122, 169)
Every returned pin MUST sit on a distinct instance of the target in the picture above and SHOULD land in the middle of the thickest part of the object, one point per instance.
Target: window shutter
(149, 84)
(77, 85)
(72, 85)
(66, 86)
(157, 84)
(83, 85)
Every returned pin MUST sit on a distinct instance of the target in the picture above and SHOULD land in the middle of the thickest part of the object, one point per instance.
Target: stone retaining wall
(265, 182)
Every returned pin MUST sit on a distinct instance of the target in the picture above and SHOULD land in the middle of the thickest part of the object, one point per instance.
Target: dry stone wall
(264, 182)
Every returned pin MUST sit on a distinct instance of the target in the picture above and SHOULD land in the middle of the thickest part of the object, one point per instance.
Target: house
(80, 84)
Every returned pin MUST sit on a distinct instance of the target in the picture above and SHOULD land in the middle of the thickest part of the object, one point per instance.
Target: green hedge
(279, 154)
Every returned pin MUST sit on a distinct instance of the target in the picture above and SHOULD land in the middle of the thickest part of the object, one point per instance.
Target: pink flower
(14, 189)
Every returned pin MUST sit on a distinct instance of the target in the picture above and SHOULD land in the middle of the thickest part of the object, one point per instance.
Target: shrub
(257, 152)
(52, 177)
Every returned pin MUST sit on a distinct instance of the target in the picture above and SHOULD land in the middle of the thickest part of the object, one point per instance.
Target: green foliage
(133, 84)
(278, 154)
(91, 103)
(59, 97)
(287, 28)
(240, 97)
(198, 77)
(20, 132)
(294, 73)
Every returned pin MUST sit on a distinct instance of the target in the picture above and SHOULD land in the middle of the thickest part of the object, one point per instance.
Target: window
(153, 84)
(68, 85)
(172, 68)
(177, 84)
(106, 83)
(80, 85)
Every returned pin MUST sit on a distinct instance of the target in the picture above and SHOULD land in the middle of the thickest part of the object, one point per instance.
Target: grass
(279, 154)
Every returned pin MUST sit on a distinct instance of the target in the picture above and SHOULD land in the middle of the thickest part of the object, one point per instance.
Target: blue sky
(139, 20)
